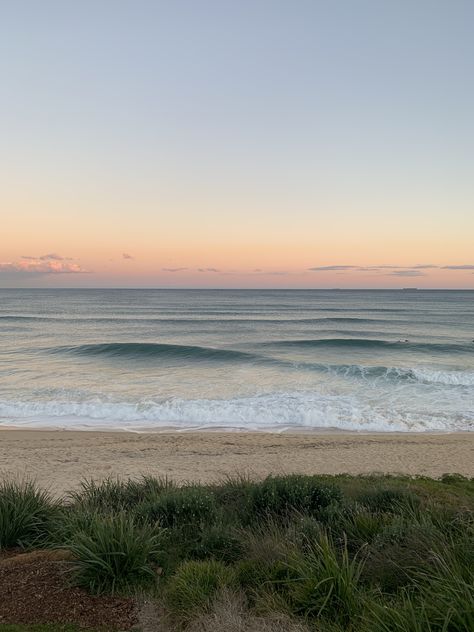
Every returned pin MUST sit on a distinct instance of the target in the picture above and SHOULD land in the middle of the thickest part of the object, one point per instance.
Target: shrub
(217, 542)
(115, 495)
(195, 584)
(147, 487)
(187, 506)
(407, 614)
(405, 544)
(356, 525)
(327, 584)
(453, 478)
(233, 496)
(25, 512)
(448, 586)
(267, 548)
(107, 495)
(280, 495)
(387, 499)
(115, 554)
(304, 530)
(70, 520)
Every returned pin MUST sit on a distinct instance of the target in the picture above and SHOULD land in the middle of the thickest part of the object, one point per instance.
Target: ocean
(150, 360)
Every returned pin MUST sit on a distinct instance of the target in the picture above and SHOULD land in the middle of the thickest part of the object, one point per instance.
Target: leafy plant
(115, 554)
(195, 584)
(217, 542)
(281, 495)
(387, 499)
(115, 495)
(186, 506)
(327, 584)
(25, 512)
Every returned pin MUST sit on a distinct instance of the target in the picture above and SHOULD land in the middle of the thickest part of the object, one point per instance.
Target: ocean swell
(139, 350)
(370, 343)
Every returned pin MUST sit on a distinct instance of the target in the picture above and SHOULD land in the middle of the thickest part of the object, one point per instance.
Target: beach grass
(321, 553)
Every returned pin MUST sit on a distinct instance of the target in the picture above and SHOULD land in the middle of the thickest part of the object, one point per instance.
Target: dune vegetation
(292, 553)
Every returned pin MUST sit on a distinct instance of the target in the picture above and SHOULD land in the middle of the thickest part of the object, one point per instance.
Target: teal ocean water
(247, 360)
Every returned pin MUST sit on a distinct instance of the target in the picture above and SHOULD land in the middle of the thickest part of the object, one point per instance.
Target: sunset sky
(250, 143)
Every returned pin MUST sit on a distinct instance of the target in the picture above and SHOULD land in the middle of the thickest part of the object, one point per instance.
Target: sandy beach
(60, 459)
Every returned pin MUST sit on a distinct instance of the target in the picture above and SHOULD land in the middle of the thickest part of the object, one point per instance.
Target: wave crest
(153, 349)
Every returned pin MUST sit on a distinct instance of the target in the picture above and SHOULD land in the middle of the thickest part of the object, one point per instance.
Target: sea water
(248, 359)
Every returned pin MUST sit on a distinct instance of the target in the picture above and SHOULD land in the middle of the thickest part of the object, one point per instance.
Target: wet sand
(60, 459)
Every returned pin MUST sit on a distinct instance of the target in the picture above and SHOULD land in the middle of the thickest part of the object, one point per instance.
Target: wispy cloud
(126, 255)
(45, 264)
(49, 257)
(174, 269)
(54, 257)
(407, 273)
(467, 266)
(331, 268)
(216, 270)
(425, 266)
(395, 270)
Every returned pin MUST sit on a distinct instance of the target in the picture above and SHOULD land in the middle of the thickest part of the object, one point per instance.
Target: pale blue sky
(301, 113)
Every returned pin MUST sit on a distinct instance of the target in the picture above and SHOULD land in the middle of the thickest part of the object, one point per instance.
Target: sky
(259, 143)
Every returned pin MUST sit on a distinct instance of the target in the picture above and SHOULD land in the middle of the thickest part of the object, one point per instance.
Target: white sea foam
(454, 378)
(275, 411)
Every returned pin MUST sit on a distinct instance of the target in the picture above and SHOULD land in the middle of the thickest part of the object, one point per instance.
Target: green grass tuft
(25, 513)
(194, 586)
(281, 495)
(114, 554)
(184, 507)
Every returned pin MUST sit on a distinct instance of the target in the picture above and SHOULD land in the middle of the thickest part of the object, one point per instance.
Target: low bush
(453, 479)
(69, 521)
(447, 586)
(194, 586)
(387, 499)
(407, 613)
(25, 514)
(394, 554)
(280, 495)
(358, 527)
(181, 507)
(115, 495)
(115, 554)
(217, 542)
(326, 584)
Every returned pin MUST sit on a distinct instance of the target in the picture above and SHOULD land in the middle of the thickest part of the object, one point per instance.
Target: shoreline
(271, 430)
(60, 459)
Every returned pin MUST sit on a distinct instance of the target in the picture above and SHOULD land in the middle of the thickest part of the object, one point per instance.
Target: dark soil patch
(34, 589)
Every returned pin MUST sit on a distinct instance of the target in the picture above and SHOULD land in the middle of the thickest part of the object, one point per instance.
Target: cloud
(208, 270)
(467, 266)
(174, 269)
(125, 255)
(330, 268)
(407, 273)
(425, 266)
(398, 270)
(46, 264)
(52, 257)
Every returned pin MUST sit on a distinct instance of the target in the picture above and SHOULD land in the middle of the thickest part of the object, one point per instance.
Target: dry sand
(60, 459)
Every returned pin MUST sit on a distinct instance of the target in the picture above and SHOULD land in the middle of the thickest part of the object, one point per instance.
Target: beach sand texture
(60, 459)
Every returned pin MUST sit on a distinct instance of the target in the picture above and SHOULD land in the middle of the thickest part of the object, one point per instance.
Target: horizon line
(254, 289)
